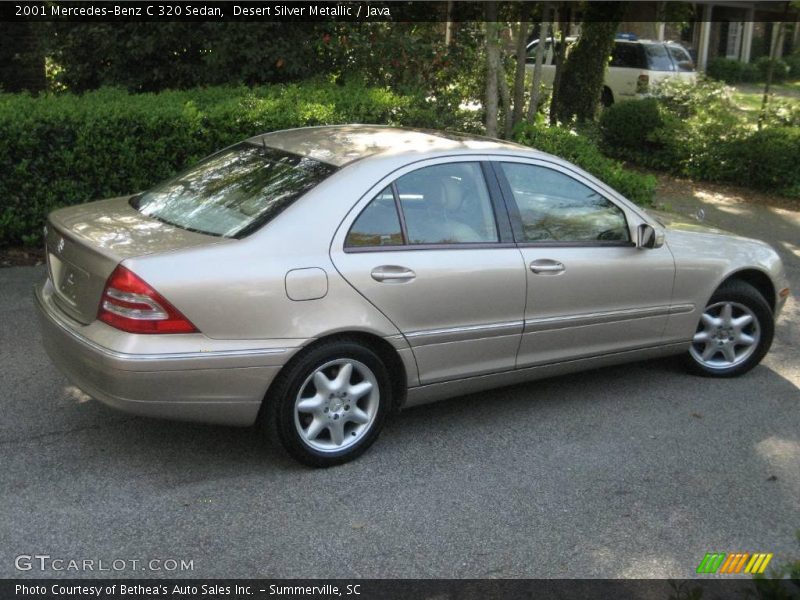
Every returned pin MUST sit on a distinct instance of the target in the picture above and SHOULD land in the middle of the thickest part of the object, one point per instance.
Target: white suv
(635, 65)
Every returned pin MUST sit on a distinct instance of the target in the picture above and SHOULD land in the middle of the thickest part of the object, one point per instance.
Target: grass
(747, 96)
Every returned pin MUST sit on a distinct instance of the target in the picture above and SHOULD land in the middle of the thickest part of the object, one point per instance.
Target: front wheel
(734, 333)
(330, 404)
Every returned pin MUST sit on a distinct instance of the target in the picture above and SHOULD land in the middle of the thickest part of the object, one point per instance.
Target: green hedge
(68, 149)
(767, 159)
(734, 71)
(584, 152)
(695, 131)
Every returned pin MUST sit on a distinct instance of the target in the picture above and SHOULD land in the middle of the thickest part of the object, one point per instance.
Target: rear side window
(443, 204)
(627, 56)
(683, 62)
(234, 192)
(378, 224)
(657, 58)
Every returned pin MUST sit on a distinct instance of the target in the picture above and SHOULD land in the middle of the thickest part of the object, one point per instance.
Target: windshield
(234, 192)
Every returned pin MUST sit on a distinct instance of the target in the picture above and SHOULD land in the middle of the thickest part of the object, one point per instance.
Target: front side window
(554, 207)
(443, 204)
(233, 192)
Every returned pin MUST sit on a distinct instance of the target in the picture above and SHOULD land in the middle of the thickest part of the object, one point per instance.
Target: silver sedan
(314, 280)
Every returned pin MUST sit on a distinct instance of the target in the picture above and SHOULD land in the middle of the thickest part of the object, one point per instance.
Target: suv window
(627, 56)
(681, 58)
(234, 192)
(556, 208)
(441, 204)
(657, 58)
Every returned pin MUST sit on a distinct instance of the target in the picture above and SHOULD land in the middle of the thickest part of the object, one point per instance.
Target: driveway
(632, 471)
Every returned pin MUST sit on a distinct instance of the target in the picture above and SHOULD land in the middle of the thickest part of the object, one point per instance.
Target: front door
(591, 291)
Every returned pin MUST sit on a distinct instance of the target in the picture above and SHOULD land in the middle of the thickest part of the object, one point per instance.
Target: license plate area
(67, 279)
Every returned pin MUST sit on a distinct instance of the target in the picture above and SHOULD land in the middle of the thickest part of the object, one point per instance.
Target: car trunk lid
(85, 243)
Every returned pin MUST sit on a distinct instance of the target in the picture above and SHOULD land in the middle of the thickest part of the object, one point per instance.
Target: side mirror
(648, 237)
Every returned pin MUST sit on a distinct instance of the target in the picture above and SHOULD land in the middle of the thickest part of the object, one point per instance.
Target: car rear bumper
(223, 385)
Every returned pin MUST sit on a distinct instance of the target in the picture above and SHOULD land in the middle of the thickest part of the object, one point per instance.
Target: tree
(21, 58)
(523, 27)
(581, 79)
(492, 67)
(537, 68)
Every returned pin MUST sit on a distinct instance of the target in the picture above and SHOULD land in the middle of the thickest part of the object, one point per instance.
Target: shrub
(780, 70)
(793, 61)
(725, 69)
(767, 160)
(581, 150)
(635, 131)
(68, 149)
(696, 131)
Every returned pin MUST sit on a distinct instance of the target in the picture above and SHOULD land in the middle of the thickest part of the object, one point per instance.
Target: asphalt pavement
(631, 471)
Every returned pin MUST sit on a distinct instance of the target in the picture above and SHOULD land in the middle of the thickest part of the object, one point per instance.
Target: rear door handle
(547, 265)
(392, 274)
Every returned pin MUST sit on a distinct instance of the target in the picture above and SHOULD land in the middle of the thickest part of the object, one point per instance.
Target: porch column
(705, 34)
(660, 28)
(747, 35)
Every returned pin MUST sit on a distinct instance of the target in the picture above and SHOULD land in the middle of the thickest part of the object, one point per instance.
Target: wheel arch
(759, 280)
(384, 349)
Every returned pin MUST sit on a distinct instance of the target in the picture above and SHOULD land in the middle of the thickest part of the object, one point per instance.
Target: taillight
(130, 304)
(642, 83)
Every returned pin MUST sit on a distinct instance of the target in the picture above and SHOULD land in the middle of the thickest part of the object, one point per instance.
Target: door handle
(547, 266)
(392, 273)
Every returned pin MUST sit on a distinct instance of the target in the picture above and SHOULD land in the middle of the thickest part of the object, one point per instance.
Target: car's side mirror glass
(648, 237)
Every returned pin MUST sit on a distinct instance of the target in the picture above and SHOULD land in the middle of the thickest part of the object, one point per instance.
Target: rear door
(591, 291)
(432, 249)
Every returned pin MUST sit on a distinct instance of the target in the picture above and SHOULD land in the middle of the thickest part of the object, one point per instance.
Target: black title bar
(290, 11)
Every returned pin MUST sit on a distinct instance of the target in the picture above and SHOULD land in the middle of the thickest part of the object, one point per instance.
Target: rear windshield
(234, 192)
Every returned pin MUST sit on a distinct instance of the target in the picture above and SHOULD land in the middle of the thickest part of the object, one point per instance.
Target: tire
(342, 386)
(606, 98)
(734, 333)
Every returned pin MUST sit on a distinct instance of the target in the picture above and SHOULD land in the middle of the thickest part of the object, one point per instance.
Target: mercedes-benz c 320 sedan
(316, 279)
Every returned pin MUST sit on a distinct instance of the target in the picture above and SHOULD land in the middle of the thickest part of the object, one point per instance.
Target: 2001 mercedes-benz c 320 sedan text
(315, 279)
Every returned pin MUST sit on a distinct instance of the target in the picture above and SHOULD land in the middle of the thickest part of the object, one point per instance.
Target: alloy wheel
(336, 405)
(728, 334)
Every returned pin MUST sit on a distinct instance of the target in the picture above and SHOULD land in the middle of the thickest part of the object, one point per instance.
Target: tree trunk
(770, 67)
(559, 49)
(537, 67)
(492, 68)
(448, 26)
(505, 96)
(581, 82)
(519, 74)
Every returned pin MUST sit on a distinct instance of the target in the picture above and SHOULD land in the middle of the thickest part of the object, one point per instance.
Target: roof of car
(340, 145)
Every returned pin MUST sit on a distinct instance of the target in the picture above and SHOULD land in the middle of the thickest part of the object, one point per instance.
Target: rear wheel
(329, 405)
(734, 333)
(607, 97)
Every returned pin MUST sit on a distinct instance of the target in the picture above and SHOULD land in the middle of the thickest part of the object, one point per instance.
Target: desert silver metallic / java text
(336, 405)
(727, 336)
